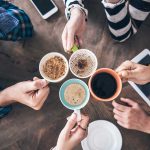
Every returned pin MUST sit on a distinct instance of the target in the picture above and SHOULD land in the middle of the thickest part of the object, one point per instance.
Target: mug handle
(78, 112)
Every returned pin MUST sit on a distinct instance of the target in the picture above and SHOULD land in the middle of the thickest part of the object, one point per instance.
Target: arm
(147, 125)
(73, 133)
(5, 98)
(74, 4)
(30, 93)
(77, 17)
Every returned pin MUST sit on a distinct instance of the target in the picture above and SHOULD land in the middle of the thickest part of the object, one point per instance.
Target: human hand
(73, 133)
(131, 71)
(30, 93)
(74, 27)
(132, 116)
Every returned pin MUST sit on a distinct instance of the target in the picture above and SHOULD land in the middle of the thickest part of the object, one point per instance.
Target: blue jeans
(5, 110)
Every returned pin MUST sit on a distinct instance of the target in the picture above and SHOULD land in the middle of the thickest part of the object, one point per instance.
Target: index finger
(64, 38)
(119, 106)
(127, 65)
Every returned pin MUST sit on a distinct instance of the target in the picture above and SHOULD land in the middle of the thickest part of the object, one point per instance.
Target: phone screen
(145, 88)
(44, 6)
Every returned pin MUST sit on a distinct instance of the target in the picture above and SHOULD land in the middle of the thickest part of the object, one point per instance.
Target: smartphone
(143, 90)
(46, 8)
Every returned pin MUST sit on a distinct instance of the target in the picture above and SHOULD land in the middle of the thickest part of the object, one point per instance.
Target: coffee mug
(112, 85)
(83, 63)
(45, 59)
(75, 108)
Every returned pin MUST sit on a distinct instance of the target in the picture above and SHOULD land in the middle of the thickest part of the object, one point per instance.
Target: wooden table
(26, 129)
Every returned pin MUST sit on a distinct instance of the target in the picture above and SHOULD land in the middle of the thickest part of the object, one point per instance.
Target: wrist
(147, 125)
(60, 148)
(5, 98)
(57, 148)
(149, 73)
(77, 12)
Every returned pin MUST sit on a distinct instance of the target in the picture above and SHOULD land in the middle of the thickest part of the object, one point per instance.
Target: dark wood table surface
(26, 129)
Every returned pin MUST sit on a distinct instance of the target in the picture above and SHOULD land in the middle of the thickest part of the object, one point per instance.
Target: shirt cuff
(111, 5)
(68, 10)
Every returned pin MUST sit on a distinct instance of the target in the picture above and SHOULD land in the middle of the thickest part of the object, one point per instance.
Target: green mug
(75, 108)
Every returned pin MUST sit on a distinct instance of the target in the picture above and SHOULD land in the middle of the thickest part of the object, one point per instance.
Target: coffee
(83, 63)
(104, 85)
(54, 68)
(74, 94)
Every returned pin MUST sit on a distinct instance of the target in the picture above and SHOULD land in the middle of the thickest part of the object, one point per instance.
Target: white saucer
(102, 135)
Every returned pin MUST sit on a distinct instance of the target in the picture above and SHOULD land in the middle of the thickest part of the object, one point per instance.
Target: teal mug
(75, 108)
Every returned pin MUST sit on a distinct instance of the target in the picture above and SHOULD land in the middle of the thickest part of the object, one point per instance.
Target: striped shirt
(124, 18)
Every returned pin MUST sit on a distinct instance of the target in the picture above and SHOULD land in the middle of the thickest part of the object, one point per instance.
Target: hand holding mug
(30, 93)
(74, 27)
(131, 71)
(73, 133)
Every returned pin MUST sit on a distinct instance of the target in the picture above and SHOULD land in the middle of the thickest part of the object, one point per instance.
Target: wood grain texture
(25, 129)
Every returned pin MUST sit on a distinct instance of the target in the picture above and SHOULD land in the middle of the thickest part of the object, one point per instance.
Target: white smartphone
(143, 90)
(46, 8)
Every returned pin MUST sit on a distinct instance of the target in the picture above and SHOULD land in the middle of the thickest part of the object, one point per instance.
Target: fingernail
(43, 83)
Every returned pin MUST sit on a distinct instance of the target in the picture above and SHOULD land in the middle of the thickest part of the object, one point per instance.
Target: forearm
(5, 98)
(149, 73)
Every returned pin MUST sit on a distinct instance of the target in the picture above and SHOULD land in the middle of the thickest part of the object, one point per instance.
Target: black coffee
(104, 85)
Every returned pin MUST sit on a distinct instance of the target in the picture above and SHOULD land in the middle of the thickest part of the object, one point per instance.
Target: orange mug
(114, 75)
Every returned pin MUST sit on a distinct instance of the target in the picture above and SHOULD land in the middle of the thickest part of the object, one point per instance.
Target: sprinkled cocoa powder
(82, 63)
(54, 68)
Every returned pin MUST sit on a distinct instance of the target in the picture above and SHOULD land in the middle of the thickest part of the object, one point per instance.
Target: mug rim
(45, 58)
(84, 77)
(87, 97)
(116, 77)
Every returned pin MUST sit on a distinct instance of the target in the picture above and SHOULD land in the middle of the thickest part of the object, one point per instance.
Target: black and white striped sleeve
(125, 17)
(139, 10)
(119, 21)
(74, 4)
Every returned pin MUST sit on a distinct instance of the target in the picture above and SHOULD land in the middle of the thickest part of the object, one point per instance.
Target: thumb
(36, 84)
(70, 39)
(128, 74)
(35, 78)
(70, 124)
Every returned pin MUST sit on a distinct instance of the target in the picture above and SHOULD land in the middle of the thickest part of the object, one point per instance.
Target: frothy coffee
(74, 94)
